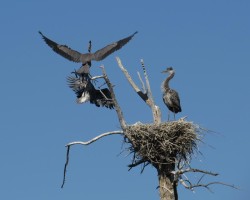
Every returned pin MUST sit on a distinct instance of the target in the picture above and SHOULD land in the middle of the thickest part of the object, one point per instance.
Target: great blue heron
(86, 58)
(85, 91)
(170, 96)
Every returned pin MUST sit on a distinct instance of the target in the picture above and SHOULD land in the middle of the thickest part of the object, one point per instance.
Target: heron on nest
(170, 97)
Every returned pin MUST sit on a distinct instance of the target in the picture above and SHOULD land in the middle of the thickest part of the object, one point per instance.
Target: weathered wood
(117, 107)
(146, 97)
(167, 184)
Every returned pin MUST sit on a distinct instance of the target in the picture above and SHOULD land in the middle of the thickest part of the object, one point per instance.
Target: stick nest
(165, 143)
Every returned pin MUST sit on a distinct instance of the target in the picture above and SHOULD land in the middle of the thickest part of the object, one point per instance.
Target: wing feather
(100, 97)
(62, 50)
(175, 99)
(77, 85)
(111, 48)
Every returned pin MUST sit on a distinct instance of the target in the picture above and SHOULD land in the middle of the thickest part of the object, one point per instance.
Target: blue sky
(207, 43)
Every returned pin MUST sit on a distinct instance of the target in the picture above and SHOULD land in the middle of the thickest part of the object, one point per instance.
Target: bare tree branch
(117, 107)
(191, 186)
(132, 83)
(155, 109)
(83, 143)
(136, 163)
(179, 172)
(94, 139)
(65, 166)
(147, 97)
(184, 184)
(149, 93)
(96, 77)
(142, 83)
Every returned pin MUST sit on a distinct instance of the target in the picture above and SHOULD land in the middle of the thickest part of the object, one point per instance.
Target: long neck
(165, 84)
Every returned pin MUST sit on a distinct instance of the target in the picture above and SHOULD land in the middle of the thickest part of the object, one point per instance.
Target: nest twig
(165, 143)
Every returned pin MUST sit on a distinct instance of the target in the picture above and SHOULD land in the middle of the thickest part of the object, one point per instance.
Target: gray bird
(170, 97)
(86, 58)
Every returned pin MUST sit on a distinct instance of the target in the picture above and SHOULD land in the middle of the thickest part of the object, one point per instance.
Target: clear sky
(207, 43)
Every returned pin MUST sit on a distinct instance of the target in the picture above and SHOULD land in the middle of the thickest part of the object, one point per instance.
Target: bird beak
(165, 71)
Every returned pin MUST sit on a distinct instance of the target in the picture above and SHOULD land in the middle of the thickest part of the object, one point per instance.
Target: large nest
(165, 143)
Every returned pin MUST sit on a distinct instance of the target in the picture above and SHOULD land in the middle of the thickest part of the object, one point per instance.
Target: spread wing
(77, 85)
(98, 97)
(62, 50)
(111, 48)
(101, 98)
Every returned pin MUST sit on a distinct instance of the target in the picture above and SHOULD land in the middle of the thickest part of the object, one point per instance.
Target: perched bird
(86, 58)
(85, 91)
(170, 96)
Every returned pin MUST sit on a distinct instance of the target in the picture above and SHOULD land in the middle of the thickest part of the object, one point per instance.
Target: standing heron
(86, 58)
(170, 96)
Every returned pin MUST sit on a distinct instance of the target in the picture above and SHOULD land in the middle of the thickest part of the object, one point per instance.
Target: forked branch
(146, 97)
(191, 186)
(155, 109)
(143, 96)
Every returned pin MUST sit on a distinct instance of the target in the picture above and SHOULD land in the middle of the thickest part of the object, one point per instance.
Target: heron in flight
(86, 92)
(86, 58)
(170, 97)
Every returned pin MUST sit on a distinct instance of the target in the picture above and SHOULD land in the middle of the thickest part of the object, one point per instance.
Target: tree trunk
(167, 185)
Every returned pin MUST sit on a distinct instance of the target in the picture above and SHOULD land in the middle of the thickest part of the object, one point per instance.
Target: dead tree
(168, 146)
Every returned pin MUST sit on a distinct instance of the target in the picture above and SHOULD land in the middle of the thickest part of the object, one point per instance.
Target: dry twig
(83, 143)
(163, 143)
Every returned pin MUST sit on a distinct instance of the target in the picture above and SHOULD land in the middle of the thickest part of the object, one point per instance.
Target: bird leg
(90, 46)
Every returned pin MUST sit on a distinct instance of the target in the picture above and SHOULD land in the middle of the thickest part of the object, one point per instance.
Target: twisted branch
(83, 143)
(65, 166)
(94, 139)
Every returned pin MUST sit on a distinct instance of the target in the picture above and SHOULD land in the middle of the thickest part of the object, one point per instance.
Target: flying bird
(86, 58)
(86, 92)
(170, 97)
